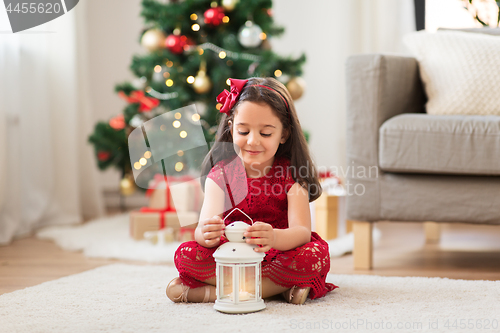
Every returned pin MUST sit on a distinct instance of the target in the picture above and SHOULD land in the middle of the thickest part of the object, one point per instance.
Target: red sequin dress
(263, 199)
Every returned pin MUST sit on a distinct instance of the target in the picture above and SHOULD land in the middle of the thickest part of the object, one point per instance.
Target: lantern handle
(241, 212)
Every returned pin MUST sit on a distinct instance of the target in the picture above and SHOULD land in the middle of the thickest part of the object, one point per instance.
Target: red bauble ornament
(177, 43)
(118, 122)
(103, 155)
(214, 16)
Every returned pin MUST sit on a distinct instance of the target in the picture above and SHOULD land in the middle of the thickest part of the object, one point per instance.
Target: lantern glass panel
(247, 284)
(226, 283)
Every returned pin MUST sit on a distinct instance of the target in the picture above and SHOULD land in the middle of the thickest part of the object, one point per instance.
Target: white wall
(114, 29)
(327, 30)
(321, 31)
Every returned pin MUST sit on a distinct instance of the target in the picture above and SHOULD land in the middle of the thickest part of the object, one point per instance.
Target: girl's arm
(299, 222)
(211, 226)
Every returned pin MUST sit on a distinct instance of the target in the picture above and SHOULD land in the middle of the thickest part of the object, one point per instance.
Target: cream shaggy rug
(130, 298)
(109, 238)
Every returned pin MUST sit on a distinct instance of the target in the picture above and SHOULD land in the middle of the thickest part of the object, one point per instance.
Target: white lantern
(238, 272)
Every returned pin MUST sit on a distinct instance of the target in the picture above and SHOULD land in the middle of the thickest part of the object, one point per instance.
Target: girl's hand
(260, 233)
(212, 229)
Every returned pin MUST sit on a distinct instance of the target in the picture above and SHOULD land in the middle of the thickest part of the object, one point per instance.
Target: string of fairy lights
(157, 83)
(222, 53)
(179, 166)
(250, 35)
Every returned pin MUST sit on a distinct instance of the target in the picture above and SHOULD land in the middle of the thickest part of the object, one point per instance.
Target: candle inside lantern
(243, 296)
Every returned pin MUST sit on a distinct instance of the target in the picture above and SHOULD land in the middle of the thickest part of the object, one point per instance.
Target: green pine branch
(177, 15)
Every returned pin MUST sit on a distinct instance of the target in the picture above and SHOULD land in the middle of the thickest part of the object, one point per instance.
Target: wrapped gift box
(140, 222)
(330, 216)
(169, 235)
(184, 196)
(330, 211)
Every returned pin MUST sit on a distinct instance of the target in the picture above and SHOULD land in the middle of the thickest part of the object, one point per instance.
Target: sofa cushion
(459, 70)
(422, 143)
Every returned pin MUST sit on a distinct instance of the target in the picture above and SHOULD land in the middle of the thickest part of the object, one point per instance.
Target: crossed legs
(177, 292)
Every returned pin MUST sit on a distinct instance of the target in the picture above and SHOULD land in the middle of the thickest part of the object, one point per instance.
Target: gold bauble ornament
(266, 45)
(296, 87)
(229, 4)
(153, 40)
(127, 185)
(202, 83)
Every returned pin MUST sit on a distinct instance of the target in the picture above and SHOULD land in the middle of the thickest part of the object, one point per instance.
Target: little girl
(273, 182)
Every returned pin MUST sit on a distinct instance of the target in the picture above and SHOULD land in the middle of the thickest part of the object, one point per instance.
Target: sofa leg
(432, 232)
(363, 244)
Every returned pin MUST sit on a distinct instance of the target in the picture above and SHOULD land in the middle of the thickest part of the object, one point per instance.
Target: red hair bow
(228, 99)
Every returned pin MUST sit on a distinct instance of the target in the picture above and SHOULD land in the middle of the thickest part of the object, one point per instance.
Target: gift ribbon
(160, 178)
(168, 207)
(160, 211)
(138, 96)
(329, 174)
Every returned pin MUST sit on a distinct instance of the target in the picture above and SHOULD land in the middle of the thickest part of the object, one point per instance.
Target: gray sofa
(407, 165)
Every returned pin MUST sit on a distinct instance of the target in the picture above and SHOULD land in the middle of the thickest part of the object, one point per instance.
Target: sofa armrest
(378, 87)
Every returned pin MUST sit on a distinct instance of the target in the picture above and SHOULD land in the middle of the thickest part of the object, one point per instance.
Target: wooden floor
(465, 252)
(470, 252)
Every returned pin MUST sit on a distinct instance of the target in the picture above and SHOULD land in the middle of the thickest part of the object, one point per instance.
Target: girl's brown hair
(295, 148)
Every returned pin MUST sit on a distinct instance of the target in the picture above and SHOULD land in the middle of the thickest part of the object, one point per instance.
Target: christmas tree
(193, 47)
